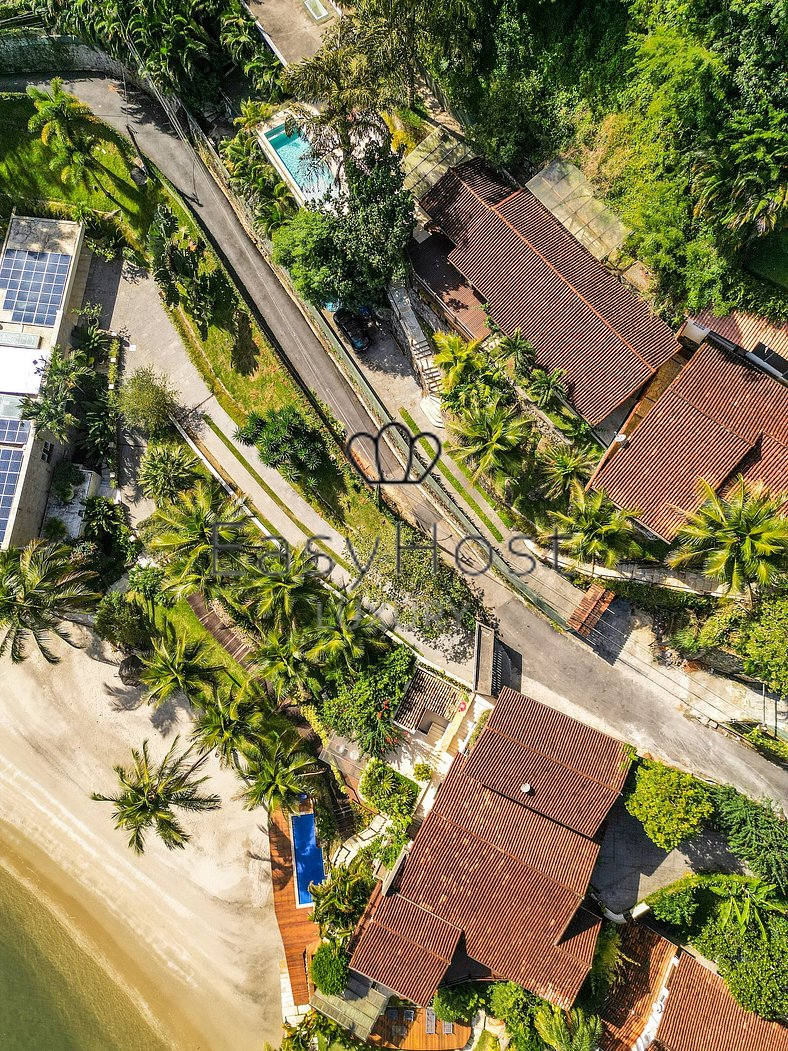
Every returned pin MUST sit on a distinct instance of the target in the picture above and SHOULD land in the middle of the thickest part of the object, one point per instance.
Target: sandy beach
(191, 935)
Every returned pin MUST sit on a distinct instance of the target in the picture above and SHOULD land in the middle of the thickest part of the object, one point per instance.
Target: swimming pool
(312, 178)
(307, 856)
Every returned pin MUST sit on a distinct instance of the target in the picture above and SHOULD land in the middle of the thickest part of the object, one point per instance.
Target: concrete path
(628, 697)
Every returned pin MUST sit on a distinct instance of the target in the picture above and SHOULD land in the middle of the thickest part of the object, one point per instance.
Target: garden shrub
(330, 969)
(422, 771)
(460, 1003)
(388, 791)
(762, 643)
(166, 469)
(148, 401)
(108, 543)
(65, 477)
(676, 907)
(287, 441)
(755, 833)
(363, 702)
(672, 806)
(121, 622)
(516, 1008)
(755, 969)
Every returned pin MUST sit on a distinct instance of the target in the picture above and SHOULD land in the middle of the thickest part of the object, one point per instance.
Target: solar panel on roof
(14, 432)
(10, 469)
(34, 284)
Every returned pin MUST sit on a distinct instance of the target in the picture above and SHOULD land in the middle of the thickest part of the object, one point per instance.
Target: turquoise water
(308, 855)
(53, 995)
(313, 177)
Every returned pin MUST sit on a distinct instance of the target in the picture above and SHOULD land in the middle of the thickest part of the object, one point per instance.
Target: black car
(354, 328)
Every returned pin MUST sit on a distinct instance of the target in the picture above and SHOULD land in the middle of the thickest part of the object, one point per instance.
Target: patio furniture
(429, 1021)
(448, 1028)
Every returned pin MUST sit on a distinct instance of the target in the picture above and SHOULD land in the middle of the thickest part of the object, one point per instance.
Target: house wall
(27, 514)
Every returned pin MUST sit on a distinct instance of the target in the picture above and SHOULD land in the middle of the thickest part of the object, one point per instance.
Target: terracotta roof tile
(427, 693)
(719, 416)
(701, 1015)
(538, 278)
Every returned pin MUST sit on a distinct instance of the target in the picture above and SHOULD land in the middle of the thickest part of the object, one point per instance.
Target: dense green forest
(677, 109)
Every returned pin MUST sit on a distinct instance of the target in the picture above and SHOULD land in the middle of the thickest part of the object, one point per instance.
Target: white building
(41, 282)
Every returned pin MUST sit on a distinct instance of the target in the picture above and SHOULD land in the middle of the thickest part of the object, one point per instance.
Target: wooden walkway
(238, 648)
(300, 936)
(396, 1028)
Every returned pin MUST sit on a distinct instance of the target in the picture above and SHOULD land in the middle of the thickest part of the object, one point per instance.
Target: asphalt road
(633, 702)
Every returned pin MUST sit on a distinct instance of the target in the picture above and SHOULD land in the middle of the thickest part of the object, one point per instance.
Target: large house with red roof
(495, 882)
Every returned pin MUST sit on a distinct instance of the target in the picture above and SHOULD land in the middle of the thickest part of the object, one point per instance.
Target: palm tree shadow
(166, 716)
(125, 698)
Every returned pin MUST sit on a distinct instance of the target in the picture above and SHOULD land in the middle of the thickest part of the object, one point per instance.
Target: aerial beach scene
(393, 525)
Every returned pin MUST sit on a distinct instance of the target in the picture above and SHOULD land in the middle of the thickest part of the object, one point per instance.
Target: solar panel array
(34, 284)
(10, 469)
(14, 432)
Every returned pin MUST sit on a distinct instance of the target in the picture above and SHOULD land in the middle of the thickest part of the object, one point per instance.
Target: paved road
(627, 698)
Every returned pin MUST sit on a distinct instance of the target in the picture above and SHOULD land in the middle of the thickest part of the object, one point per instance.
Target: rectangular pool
(313, 178)
(307, 856)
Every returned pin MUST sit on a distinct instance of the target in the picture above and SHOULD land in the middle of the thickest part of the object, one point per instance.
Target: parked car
(353, 328)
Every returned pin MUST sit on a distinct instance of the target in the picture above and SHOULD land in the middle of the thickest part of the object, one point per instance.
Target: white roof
(19, 370)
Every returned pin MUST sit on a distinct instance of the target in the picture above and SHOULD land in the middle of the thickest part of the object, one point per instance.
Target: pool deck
(300, 935)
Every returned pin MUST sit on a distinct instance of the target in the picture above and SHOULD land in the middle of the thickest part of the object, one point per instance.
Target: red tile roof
(719, 417)
(575, 772)
(536, 277)
(509, 874)
(646, 960)
(746, 330)
(701, 1015)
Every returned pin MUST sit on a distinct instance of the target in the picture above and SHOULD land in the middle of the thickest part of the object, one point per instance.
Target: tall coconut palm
(286, 592)
(149, 793)
(63, 122)
(749, 904)
(178, 665)
(593, 529)
(568, 1030)
(348, 633)
(460, 360)
(739, 539)
(561, 465)
(204, 536)
(40, 585)
(547, 388)
(342, 84)
(230, 725)
(492, 435)
(278, 772)
(289, 663)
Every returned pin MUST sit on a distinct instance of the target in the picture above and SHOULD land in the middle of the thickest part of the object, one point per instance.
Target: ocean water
(53, 995)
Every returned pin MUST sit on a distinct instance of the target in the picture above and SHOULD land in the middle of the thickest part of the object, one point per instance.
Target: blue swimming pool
(307, 855)
(314, 178)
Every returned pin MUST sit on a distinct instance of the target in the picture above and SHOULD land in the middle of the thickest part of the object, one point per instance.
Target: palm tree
(347, 634)
(340, 899)
(40, 585)
(239, 35)
(289, 664)
(177, 665)
(289, 591)
(63, 122)
(561, 465)
(277, 772)
(204, 535)
(740, 539)
(63, 378)
(749, 903)
(231, 725)
(149, 794)
(341, 83)
(460, 360)
(165, 471)
(521, 349)
(568, 1030)
(491, 435)
(593, 529)
(546, 388)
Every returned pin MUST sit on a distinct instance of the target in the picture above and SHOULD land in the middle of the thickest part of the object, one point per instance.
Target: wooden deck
(300, 935)
(629, 1005)
(393, 1029)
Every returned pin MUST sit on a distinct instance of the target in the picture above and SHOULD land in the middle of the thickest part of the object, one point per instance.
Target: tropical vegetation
(672, 806)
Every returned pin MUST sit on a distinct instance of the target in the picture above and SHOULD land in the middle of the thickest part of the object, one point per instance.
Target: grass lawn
(28, 182)
(769, 259)
(182, 620)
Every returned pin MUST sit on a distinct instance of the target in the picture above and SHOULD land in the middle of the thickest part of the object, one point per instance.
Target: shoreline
(188, 935)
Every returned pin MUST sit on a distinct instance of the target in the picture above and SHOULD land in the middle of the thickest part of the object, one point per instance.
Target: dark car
(354, 328)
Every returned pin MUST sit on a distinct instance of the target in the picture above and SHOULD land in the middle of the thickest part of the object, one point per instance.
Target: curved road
(628, 699)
